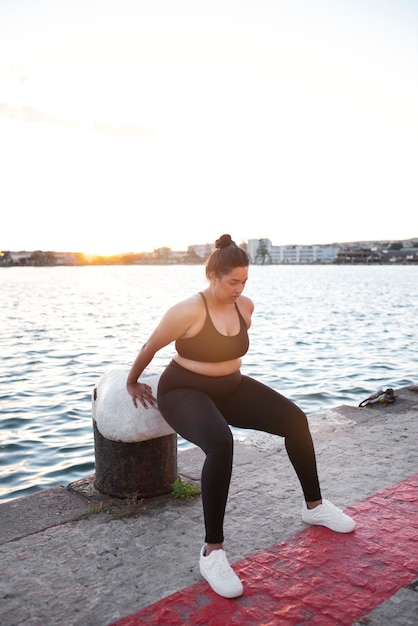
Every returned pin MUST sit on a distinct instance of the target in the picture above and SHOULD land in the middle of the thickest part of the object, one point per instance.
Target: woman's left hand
(143, 393)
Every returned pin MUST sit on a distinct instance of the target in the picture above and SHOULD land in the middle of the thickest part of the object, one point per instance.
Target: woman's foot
(328, 515)
(216, 570)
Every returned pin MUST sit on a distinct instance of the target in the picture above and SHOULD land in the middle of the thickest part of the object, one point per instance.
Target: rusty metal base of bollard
(143, 469)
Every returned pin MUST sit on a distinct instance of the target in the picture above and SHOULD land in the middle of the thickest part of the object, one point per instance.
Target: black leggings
(200, 408)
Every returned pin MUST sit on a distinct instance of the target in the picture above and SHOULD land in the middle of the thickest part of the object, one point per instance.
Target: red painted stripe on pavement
(316, 577)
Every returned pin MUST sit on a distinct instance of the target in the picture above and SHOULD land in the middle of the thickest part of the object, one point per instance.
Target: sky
(129, 125)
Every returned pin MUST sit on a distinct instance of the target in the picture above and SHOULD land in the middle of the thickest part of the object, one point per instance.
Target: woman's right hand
(143, 393)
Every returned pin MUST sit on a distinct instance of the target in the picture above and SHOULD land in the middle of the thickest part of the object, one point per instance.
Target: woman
(202, 392)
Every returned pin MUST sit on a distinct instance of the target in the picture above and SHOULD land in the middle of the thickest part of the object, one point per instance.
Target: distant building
(202, 250)
(261, 251)
(355, 254)
(39, 258)
(65, 258)
(404, 255)
(21, 258)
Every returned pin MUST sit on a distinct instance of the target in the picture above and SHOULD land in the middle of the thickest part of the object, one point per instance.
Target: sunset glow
(131, 125)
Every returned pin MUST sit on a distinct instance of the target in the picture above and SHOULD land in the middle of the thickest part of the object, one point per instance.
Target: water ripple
(323, 336)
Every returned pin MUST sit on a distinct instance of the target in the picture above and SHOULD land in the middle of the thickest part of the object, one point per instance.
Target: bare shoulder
(246, 307)
(245, 304)
(185, 317)
(186, 311)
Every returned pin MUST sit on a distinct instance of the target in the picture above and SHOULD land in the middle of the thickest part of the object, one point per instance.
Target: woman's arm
(173, 325)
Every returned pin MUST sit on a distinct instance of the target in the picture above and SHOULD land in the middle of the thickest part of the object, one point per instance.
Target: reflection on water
(322, 335)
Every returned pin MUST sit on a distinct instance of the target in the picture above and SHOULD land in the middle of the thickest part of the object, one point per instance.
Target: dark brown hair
(226, 257)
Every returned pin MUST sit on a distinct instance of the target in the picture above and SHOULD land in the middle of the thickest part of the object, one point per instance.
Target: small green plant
(94, 509)
(184, 491)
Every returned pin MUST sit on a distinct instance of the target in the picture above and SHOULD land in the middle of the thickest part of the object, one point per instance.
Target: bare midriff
(222, 368)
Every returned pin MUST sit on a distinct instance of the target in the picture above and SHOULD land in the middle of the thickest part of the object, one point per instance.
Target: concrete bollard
(135, 449)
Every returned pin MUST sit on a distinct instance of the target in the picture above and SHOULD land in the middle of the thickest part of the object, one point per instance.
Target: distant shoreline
(261, 252)
(170, 264)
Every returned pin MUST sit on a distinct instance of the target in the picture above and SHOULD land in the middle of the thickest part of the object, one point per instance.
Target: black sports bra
(211, 346)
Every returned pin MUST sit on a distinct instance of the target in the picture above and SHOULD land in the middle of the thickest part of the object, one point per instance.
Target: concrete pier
(72, 556)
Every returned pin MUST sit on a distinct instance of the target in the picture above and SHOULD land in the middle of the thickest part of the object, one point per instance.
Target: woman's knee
(220, 440)
(298, 423)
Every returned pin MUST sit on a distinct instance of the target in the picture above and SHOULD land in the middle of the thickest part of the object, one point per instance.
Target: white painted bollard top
(117, 418)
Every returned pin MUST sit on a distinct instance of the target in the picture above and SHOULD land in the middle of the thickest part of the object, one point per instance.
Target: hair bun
(224, 241)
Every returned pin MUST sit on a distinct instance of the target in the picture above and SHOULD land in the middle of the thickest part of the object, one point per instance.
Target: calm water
(323, 335)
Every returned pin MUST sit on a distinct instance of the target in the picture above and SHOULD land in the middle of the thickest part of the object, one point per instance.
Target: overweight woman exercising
(202, 392)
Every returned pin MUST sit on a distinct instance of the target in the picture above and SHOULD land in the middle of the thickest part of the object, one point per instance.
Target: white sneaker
(219, 574)
(326, 514)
